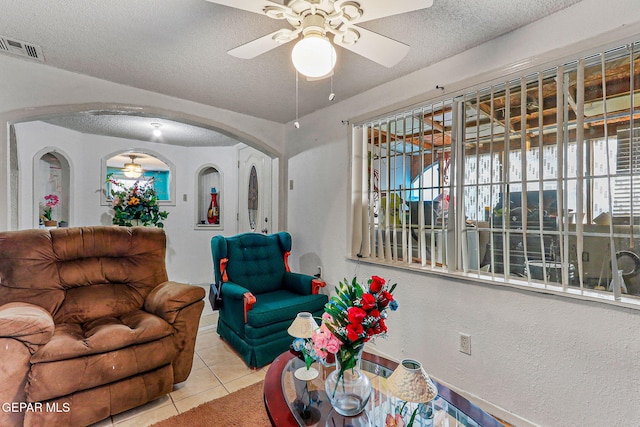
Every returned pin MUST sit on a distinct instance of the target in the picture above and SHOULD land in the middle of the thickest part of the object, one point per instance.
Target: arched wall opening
(9, 193)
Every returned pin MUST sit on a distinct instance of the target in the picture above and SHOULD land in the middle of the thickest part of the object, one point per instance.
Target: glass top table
(293, 402)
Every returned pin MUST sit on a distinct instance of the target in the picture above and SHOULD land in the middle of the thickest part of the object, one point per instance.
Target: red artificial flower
(354, 330)
(380, 327)
(376, 284)
(374, 313)
(356, 315)
(368, 302)
(384, 298)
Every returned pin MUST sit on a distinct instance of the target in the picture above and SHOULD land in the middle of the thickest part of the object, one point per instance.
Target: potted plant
(51, 200)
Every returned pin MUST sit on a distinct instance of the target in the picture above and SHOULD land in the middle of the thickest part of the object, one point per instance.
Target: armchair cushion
(72, 340)
(282, 305)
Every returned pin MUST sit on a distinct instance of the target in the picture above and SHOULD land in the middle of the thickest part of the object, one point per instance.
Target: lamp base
(305, 374)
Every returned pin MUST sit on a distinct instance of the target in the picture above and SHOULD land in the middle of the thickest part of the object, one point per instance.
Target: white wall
(188, 253)
(551, 360)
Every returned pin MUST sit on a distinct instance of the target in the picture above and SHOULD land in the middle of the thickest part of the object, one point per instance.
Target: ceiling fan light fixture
(133, 169)
(314, 55)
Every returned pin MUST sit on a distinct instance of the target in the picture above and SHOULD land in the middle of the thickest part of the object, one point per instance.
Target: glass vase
(348, 389)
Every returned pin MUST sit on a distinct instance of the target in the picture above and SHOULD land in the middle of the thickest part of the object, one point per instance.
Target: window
(533, 180)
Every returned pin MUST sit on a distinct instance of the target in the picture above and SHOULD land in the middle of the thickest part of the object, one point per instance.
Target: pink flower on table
(333, 344)
(325, 342)
(319, 340)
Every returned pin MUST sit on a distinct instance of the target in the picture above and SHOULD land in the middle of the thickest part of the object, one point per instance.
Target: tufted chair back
(84, 273)
(255, 261)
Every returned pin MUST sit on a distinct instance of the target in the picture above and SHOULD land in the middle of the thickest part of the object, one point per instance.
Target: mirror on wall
(145, 168)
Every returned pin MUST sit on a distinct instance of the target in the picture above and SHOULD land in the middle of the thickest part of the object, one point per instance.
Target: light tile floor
(217, 371)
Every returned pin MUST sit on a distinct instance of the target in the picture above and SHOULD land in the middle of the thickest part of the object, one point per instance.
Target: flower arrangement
(136, 203)
(351, 318)
(51, 200)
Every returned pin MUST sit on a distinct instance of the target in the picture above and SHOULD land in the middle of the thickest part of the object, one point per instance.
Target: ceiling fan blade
(255, 6)
(375, 9)
(256, 47)
(378, 48)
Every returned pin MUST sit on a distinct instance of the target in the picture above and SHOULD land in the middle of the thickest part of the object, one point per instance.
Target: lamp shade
(302, 326)
(410, 382)
(314, 55)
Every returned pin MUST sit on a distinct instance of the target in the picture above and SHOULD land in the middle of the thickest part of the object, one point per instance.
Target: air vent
(18, 47)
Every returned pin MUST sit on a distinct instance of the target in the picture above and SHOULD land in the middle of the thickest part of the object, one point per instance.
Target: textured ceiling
(178, 47)
(141, 128)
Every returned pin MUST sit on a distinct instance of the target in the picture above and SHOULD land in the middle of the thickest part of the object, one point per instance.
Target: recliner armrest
(301, 283)
(167, 299)
(28, 323)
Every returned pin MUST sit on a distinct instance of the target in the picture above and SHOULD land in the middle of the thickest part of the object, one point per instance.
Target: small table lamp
(302, 327)
(410, 382)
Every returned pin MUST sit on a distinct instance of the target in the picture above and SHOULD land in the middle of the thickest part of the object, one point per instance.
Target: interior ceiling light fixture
(157, 132)
(314, 56)
(327, 23)
(133, 169)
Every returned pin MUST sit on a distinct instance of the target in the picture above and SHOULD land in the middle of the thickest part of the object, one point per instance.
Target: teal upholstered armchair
(260, 295)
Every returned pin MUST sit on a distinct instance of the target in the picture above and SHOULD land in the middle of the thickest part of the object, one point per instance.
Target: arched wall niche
(52, 175)
(208, 177)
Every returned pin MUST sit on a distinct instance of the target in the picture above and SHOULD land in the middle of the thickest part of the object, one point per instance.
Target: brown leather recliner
(89, 324)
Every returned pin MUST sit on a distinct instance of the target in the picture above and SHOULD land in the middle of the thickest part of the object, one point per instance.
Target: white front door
(255, 192)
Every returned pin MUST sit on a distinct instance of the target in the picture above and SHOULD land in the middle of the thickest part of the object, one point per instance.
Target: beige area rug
(241, 408)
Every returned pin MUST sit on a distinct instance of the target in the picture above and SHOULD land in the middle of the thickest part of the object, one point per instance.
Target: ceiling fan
(316, 19)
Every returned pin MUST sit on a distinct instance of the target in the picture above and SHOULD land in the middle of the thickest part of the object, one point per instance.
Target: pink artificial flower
(52, 200)
(333, 344)
(327, 318)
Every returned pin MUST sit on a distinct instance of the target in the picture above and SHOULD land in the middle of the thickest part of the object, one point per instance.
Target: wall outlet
(465, 343)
